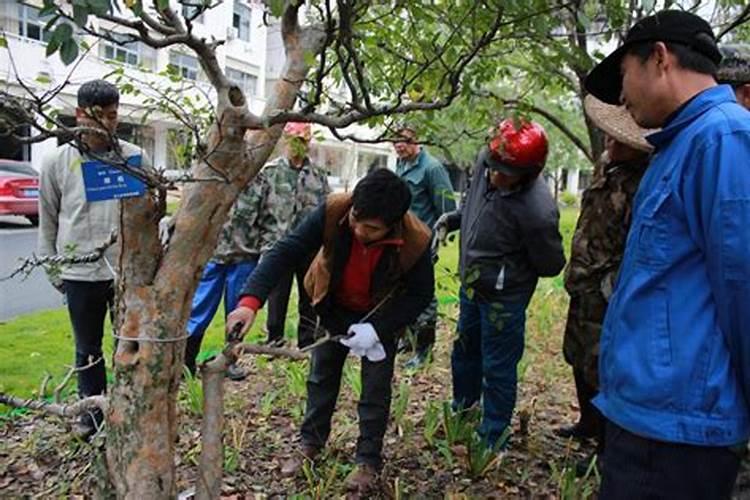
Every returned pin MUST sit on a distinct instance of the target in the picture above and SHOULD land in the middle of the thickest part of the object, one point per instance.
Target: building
(251, 57)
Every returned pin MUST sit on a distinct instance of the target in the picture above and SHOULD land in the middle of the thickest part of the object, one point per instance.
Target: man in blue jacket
(431, 197)
(675, 347)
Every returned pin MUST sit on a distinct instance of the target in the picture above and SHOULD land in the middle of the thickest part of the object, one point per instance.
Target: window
(192, 10)
(126, 50)
(31, 25)
(185, 65)
(241, 20)
(247, 82)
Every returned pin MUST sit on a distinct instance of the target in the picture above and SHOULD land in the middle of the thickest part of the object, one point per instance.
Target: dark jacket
(508, 238)
(415, 284)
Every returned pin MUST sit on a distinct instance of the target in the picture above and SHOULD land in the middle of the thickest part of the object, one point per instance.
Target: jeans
(484, 361)
(278, 302)
(373, 409)
(218, 280)
(88, 303)
(637, 468)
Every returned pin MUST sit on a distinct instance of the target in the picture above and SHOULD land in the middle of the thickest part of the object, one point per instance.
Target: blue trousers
(485, 358)
(218, 280)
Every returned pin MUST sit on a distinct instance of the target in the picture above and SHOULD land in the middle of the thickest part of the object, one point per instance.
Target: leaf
(3, 42)
(52, 46)
(99, 7)
(43, 79)
(80, 15)
(162, 4)
(309, 57)
(63, 33)
(68, 51)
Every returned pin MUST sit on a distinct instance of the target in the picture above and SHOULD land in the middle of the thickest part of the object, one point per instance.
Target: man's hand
(57, 283)
(242, 315)
(441, 230)
(364, 341)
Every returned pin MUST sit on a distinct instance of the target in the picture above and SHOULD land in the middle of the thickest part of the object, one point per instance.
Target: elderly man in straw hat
(734, 70)
(597, 249)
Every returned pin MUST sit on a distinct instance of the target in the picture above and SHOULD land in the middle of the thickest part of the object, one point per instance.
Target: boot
(362, 479)
(293, 464)
(192, 348)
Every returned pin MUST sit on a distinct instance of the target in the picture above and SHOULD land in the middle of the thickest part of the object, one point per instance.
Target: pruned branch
(30, 263)
(60, 410)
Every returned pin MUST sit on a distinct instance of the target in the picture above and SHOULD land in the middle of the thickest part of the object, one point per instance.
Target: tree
(377, 53)
(544, 65)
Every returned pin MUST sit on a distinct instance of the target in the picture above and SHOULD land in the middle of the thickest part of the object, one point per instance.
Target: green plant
(572, 487)
(191, 393)
(458, 426)
(481, 458)
(400, 405)
(296, 378)
(431, 422)
(353, 379)
(267, 402)
(320, 480)
(233, 449)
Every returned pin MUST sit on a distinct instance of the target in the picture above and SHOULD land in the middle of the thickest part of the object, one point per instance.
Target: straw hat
(617, 123)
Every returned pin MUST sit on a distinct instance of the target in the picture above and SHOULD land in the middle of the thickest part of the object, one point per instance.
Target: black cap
(676, 26)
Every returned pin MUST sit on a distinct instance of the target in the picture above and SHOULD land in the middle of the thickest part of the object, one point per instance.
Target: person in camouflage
(283, 192)
(734, 70)
(293, 187)
(597, 249)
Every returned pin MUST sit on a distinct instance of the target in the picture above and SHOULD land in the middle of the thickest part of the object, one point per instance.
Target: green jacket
(274, 203)
(430, 186)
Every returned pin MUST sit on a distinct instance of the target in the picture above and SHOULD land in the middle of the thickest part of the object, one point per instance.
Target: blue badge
(105, 182)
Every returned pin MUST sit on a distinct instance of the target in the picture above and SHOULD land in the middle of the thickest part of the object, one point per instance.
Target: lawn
(38, 344)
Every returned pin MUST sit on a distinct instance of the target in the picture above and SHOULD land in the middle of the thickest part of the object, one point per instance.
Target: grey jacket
(69, 223)
(508, 238)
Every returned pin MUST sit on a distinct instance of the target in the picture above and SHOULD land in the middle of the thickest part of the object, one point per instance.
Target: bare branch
(30, 263)
(60, 410)
(66, 379)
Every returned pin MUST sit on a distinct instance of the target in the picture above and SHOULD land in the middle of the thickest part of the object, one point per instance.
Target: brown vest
(414, 233)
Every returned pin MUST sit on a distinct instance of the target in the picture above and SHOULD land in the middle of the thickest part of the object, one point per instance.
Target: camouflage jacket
(275, 201)
(599, 239)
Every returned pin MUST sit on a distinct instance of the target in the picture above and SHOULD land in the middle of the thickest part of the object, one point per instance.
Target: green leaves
(3, 41)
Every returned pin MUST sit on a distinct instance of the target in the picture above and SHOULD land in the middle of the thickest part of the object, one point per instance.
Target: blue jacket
(430, 186)
(675, 348)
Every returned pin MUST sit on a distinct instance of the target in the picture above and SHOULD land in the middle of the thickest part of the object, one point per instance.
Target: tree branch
(60, 410)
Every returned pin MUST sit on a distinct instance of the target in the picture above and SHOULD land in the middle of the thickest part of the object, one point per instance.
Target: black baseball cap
(676, 26)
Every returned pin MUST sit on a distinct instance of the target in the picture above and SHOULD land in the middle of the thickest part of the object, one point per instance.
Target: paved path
(18, 296)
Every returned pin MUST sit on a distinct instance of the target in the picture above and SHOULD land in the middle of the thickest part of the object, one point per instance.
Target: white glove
(364, 342)
(440, 230)
(166, 228)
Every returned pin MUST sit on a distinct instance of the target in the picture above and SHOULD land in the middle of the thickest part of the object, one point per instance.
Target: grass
(42, 343)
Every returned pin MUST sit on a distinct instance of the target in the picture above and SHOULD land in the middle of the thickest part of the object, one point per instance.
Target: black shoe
(577, 431)
(236, 372)
(88, 425)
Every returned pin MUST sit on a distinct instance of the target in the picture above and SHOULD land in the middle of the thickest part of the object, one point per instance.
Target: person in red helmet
(509, 238)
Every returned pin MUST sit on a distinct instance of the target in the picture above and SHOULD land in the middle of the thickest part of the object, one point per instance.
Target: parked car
(19, 190)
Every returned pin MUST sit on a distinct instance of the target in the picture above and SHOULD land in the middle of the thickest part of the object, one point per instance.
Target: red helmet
(517, 151)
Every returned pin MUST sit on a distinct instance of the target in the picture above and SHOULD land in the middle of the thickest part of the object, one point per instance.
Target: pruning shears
(335, 338)
(235, 334)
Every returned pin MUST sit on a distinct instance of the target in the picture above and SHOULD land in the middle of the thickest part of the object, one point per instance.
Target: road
(18, 296)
